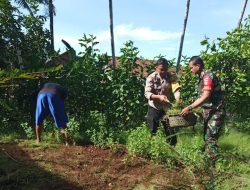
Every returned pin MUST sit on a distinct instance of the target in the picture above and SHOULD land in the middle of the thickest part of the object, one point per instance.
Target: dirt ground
(84, 167)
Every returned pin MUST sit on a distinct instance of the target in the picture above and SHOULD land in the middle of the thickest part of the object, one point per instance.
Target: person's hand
(185, 111)
(164, 99)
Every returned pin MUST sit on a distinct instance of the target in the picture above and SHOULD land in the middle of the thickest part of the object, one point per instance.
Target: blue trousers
(50, 103)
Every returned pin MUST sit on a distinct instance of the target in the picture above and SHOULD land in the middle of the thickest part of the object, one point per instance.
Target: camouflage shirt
(159, 86)
(209, 81)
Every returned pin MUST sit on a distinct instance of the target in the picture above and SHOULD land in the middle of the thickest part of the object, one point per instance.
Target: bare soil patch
(84, 167)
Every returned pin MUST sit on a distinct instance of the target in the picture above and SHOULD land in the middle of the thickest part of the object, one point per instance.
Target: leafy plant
(73, 129)
(28, 130)
(99, 134)
(189, 149)
(160, 150)
(127, 106)
(229, 58)
(139, 141)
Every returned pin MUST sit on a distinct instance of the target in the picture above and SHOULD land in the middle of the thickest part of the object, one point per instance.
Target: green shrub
(189, 148)
(243, 125)
(50, 132)
(29, 132)
(142, 143)
(139, 141)
(160, 150)
(97, 131)
(73, 129)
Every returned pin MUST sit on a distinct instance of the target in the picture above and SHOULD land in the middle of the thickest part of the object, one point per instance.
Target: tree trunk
(112, 33)
(182, 37)
(51, 18)
(242, 13)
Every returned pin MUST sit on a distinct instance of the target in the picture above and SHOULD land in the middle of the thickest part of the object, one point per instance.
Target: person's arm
(177, 95)
(161, 98)
(207, 91)
(205, 95)
(176, 90)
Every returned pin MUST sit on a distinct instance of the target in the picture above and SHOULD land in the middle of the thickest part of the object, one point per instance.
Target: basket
(180, 121)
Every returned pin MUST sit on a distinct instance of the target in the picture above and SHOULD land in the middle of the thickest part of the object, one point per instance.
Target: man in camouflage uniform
(159, 84)
(210, 98)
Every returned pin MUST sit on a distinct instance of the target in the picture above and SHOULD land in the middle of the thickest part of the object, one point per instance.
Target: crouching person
(50, 101)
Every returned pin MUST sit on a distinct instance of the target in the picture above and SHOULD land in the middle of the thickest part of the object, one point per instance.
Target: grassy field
(233, 166)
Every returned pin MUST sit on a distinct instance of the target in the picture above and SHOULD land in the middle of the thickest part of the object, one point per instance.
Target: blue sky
(154, 26)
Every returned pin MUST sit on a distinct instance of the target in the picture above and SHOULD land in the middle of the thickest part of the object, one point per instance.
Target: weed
(28, 130)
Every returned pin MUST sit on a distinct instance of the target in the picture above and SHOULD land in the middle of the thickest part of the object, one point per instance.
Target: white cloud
(151, 42)
(103, 36)
(125, 31)
(138, 33)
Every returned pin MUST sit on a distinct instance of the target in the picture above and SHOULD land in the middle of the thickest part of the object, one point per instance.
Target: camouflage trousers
(213, 122)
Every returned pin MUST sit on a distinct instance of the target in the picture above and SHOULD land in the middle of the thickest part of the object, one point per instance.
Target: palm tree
(182, 36)
(25, 5)
(242, 13)
(51, 24)
(112, 33)
(51, 9)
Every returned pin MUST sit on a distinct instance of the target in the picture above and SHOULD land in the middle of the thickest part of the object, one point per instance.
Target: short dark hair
(196, 60)
(162, 61)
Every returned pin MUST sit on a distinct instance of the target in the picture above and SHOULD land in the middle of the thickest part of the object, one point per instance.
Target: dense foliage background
(107, 106)
(117, 96)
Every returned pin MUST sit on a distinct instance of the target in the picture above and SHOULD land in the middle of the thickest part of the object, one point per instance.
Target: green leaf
(204, 42)
(213, 48)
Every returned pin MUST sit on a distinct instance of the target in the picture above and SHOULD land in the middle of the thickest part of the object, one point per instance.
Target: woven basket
(180, 121)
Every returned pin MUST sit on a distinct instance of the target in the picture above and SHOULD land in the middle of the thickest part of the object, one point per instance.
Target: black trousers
(153, 118)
